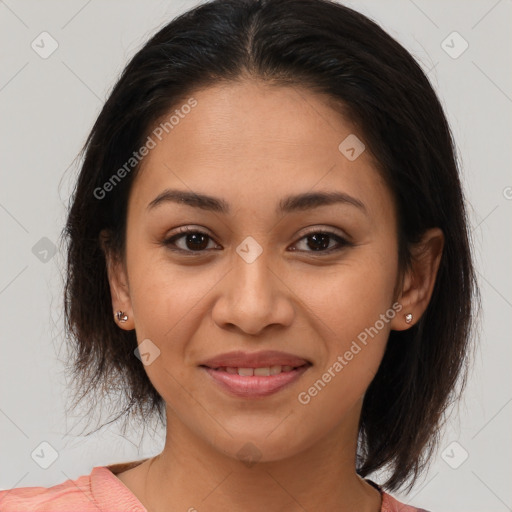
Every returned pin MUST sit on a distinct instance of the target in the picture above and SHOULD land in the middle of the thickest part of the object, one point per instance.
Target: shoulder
(390, 504)
(63, 496)
(87, 493)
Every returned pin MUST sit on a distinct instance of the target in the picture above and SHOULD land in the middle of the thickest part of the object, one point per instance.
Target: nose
(254, 297)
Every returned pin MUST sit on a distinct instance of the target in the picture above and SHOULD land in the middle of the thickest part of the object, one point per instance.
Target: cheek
(352, 308)
(162, 294)
(165, 309)
(351, 296)
(169, 304)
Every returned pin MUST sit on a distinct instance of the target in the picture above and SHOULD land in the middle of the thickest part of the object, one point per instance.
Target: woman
(268, 248)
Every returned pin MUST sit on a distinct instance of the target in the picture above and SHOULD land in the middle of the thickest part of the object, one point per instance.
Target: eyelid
(328, 230)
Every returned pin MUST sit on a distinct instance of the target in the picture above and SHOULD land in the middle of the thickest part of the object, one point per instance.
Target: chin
(257, 447)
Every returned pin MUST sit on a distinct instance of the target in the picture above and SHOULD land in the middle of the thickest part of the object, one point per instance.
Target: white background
(47, 108)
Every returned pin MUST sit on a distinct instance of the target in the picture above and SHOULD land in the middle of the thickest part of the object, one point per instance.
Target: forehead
(255, 141)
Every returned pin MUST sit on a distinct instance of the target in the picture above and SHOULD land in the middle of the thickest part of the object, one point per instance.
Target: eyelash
(170, 242)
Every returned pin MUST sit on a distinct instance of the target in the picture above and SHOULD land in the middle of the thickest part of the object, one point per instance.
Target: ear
(118, 280)
(420, 278)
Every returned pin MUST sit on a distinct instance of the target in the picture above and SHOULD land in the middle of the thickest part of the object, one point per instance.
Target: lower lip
(254, 386)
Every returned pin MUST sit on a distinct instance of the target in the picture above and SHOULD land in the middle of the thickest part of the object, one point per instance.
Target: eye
(320, 241)
(191, 240)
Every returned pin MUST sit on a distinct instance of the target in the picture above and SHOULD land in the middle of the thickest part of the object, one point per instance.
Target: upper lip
(240, 359)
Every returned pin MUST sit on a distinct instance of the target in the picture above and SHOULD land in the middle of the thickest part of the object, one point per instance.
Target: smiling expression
(248, 230)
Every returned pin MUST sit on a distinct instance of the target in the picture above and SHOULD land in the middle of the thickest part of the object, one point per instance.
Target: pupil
(195, 240)
(321, 239)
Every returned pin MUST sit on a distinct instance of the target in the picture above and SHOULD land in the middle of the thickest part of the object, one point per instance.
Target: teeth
(274, 370)
(262, 372)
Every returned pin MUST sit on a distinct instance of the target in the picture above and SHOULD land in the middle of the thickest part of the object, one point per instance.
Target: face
(262, 267)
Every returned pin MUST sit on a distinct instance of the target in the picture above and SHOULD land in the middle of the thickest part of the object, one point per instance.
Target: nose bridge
(251, 297)
(252, 282)
(251, 271)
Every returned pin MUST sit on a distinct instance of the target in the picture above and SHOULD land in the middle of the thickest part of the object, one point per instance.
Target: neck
(192, 475)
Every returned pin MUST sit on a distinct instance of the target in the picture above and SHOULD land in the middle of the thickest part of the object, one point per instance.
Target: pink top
(102, 491)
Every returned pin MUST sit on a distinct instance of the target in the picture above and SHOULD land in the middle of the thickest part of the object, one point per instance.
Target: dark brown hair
(329, 48)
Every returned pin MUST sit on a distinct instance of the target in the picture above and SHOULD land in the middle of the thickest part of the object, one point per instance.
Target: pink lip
(240, 359)
(255, 386)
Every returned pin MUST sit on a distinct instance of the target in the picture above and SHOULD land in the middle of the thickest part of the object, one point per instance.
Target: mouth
(263, 371)
(255, 382)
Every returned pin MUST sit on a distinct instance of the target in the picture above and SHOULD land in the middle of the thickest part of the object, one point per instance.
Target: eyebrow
(289, 204)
